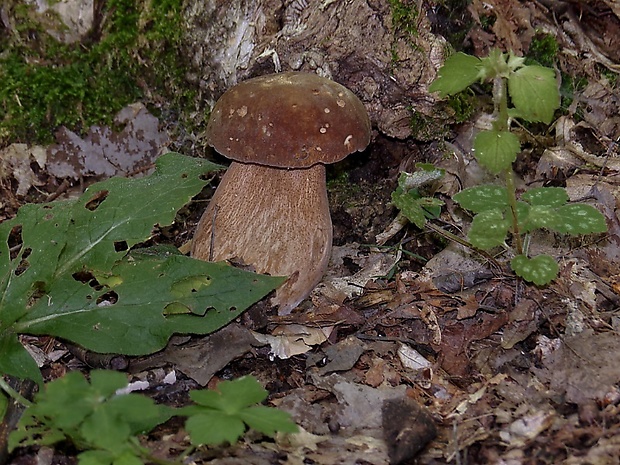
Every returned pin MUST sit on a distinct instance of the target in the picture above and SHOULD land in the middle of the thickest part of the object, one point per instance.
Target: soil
(427, 354)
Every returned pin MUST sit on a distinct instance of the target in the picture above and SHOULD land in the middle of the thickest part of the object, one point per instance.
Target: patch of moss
(463, 104)
(426, 128)
(544, 50)
(404, 16)
(569, 87)
(132, 54)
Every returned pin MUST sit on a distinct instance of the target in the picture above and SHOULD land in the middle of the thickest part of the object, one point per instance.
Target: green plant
(74, 270)
(103, 422)
(133, 52)
(530, 93)
(222, 415)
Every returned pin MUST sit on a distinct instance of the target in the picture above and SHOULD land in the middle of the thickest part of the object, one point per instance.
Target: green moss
(426, 128)
(463, 104)
(544, 50)
(404, 16)
(570, 86)
(46, 83)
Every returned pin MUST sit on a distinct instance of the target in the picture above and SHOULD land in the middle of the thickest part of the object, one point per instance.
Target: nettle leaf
(534, 93)
(65, 270)
(580, 218)
(540, 216)
(488, 229)
(482, 198)
(540, 270)
(496, 150)
(546, 196)
(457, 73)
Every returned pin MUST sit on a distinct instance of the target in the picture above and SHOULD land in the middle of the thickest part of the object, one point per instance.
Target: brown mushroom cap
(288, 120)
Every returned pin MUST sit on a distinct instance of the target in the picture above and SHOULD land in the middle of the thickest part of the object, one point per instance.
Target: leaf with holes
(65, 270)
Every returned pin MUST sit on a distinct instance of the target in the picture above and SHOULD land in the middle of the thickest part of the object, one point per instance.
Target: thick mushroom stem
(273, 219)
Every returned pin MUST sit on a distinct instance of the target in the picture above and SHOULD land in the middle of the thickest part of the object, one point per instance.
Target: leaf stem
(13, 393)
(448, 235)
(502, 123)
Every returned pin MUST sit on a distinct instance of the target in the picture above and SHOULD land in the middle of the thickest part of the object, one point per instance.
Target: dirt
(485, 368)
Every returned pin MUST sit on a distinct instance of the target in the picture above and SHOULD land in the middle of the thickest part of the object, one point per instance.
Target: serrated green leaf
(268, 420)
(482, 198)
(67, 400)
(214, 427)
(458, 72)
(140, 413)
(95, 457)
(496, 150)
(488, 229)
(534, 93)
(231, 396)
(546, 196)
(580, 218)
(540, 270)
(103, 429)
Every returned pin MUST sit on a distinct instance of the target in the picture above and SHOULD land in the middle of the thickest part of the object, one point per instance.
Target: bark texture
(354, 42)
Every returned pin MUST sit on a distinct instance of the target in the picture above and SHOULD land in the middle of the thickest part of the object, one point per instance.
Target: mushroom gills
(275, 220)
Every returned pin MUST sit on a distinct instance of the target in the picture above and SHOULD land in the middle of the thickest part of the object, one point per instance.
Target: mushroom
(270, 210)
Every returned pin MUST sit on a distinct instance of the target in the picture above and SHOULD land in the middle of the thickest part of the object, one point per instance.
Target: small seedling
(222, 415)
(103, 422)
(530, 93)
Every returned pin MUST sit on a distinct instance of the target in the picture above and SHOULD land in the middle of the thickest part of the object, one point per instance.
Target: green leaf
(546, 196)
(534, 93)
(580, 218)
(15, 359)
(221, 415)
(214, 427)
(92, 415)
(482, 198)
(104, 429)
(95, 457)
(231, 396)
(73, 278)
(488, 229)
(496, 150)
(425, 174)
(540, 270)
(134, 321)
(458, 72)
(268, 420)
(409, 204)
(540, 216)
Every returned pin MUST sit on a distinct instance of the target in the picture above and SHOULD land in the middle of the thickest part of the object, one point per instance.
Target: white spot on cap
(326, 110)
(242, 111)
(340, 103)
(347, 141)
